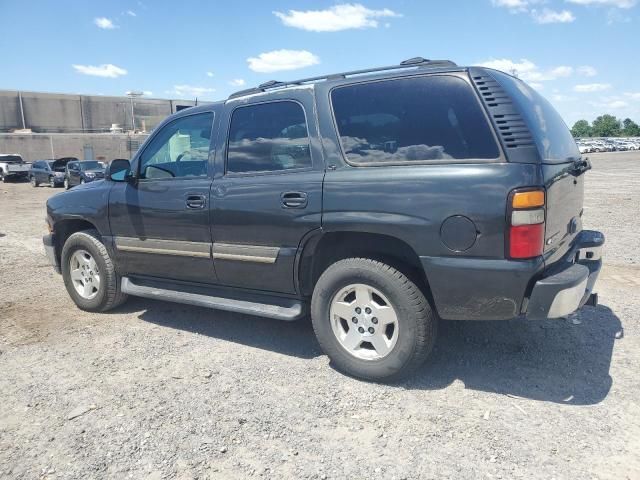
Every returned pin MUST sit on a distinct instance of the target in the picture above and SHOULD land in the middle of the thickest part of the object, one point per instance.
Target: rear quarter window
(412, 120)
(552, 136)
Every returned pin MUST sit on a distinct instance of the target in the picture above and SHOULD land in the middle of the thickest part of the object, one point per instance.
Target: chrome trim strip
(245, 253)
(164, 247)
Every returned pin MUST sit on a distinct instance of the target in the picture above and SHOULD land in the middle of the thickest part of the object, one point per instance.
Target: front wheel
(66, 183)
(371, 320)
(52, 182)
(89, 274)
(33, 181)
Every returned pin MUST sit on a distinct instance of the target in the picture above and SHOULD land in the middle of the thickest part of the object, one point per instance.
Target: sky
(582, 55)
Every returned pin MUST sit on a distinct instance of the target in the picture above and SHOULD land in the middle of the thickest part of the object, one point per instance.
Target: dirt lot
(156, 390)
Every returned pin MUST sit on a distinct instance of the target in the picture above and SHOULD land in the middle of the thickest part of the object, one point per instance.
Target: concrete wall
(61, 113)
(45, 146)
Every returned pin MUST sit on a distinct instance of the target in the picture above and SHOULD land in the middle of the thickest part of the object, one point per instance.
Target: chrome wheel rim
(84, 273)
(66, 183)
(364, 321)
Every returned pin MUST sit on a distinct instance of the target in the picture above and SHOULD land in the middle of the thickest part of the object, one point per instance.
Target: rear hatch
(561, 164)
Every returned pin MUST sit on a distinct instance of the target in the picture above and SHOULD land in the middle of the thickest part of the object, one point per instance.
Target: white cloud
(591, 87)
(633, 95)
(190, 91)
(552, 16)
(610, 102)
(587, 71)
(339, 17)
(105, 70)
(278, 60)
(147, 93)
(606, 3)
(527, 70)
(558, 97)
(131, 13)
(514, 5)
(237, 82)
(104, 23)
(209, 74)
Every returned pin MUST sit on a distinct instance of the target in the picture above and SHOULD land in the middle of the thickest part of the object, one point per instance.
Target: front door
(160, 223)
(267, 194)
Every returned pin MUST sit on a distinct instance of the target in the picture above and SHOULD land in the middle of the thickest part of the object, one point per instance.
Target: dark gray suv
(377, 200)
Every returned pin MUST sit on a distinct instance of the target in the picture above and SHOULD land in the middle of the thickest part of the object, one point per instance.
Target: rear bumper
(49, 243)
(569, 283)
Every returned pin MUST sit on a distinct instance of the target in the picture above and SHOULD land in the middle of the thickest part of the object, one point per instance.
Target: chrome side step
(288, 310)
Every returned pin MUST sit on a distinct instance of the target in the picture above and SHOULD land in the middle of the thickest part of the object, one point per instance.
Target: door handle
(196, 201)
(294, 199)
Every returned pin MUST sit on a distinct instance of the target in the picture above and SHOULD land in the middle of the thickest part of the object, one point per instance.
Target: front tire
(33, 181)
(89, 274)
(52, 182)
(66, 183)
(371, 320)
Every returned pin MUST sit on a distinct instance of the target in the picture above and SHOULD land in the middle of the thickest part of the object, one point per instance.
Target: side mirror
(118, 170)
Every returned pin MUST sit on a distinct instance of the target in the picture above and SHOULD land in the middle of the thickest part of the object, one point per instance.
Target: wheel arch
(66, 227)
(321, 249)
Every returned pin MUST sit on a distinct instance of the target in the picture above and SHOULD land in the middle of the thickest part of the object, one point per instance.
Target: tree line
(606, 126)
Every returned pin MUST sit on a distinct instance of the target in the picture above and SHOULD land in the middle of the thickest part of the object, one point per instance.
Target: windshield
(90, 165)
(11, 159)
(56, 166)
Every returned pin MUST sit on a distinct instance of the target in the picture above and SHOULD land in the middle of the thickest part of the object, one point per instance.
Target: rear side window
(268, 137)
(552, 136)
(412, 120)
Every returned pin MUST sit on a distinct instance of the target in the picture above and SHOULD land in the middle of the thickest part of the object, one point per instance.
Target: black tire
(3, 178)
(33, 181)
(66, 184)
(52, 182)
(109, 295)
(416, 321)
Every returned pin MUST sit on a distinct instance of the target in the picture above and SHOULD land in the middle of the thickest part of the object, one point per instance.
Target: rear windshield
(11, 159)
(57, 166)
(416, 119)
(553, 139)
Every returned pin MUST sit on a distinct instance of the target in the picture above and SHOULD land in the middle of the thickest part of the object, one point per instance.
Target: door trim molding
(164, 247)
(245, 253)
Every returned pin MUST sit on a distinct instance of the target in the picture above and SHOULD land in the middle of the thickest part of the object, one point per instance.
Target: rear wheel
(52, 182)
(371, 320)
(33, 181)
(66, 183)
(89, 274)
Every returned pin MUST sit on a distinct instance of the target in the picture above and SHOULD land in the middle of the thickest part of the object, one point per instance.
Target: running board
(288, 310)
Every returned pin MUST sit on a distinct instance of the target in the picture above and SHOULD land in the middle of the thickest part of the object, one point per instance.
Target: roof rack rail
(409, 63)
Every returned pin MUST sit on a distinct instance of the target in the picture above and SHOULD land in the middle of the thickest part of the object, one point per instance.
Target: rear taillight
(525, 215)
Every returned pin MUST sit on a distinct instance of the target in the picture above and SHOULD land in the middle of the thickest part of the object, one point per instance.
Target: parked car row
(591, 145)
(67, 172)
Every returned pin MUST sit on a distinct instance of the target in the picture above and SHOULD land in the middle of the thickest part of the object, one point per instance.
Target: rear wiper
(580, 166)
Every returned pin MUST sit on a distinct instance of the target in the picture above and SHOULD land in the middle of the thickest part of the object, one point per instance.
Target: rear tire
(385, 348)
(66, 184)
(33, 181)
(84, 257)
(52, 182)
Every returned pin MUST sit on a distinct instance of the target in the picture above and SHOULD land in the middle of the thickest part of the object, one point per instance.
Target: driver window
(180, 149)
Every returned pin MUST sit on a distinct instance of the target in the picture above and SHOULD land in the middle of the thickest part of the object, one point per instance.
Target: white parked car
(13, 167)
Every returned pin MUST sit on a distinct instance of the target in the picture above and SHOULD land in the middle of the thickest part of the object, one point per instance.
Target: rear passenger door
(267, 193)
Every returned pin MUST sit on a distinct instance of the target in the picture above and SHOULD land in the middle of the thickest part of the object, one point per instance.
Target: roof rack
(409, 63)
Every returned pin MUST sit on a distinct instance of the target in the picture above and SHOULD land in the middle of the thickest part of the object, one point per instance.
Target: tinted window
(268, 137)
(180, 149)
(553, 139)
(412, 120)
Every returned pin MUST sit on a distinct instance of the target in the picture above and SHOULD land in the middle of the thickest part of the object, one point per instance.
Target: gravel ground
(156, 390)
